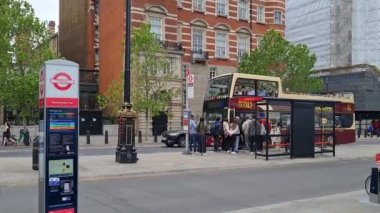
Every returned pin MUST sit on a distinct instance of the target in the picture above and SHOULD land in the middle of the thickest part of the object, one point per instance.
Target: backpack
(215, 128)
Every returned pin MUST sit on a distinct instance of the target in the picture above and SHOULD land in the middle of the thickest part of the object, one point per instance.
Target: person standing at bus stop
(246, 127)
(201, 130)
(216, 131)
(235, 135)
(193, 134)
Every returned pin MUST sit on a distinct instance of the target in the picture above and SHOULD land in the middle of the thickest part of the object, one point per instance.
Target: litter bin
(35, 154)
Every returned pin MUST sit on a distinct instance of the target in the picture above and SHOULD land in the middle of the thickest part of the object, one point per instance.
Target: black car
(174, 137)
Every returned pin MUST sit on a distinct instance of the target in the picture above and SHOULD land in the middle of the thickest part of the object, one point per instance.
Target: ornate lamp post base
(126, 151)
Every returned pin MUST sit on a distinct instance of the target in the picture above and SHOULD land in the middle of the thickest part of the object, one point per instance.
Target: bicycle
(367, 184)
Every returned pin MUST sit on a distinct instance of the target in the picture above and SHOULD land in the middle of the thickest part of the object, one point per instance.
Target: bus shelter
(295, 128)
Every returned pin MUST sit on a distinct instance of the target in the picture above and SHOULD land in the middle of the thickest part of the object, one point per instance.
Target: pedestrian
(235, 136)
(260, 133)
(216, 131)
(276, 139)
(201, 130)
(193, 134)
(246, 127)
(7, 134)
(226, 136)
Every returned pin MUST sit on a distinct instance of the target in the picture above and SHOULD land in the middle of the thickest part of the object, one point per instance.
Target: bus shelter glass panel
(324, 126)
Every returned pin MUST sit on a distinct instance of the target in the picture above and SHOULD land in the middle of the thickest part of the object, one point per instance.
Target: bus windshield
(219, 86)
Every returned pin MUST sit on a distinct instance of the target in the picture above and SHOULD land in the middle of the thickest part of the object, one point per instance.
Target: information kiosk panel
(58, 177)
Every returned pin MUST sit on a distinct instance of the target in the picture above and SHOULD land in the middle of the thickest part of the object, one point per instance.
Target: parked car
(174, 137)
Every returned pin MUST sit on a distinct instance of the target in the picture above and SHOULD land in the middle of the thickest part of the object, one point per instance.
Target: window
(212, 72)
(242, 10)
(179, 33)
(261, 14)
(219, 86)
(221, 7)
(242, 45)
(221, 45)
(277, 17)
(198, 5)
(198, 41)
(156, 27)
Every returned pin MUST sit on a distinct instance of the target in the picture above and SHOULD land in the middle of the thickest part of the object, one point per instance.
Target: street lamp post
(126, 151)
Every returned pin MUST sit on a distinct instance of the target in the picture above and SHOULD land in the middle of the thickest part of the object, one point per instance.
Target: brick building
(205, 36)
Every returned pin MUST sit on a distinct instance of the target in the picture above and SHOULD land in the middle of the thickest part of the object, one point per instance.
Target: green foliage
(24, 46)
(277, 57)
(151, 73)
(112, 99)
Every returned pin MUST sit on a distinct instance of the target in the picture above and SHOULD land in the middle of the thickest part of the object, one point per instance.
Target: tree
(24, 44)
(112, 99)
(293, 63)
(151, 74)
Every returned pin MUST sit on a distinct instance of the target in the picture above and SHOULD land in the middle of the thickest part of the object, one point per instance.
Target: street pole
(187, 110)
(126, 151)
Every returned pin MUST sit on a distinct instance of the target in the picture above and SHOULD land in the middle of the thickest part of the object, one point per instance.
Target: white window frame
(198, 5)
(277, 21)
(203, 39)
(247, 44)
(217, 46)
(213, 71)
(240, 9)
(162, 36)
(220, 3)
(261, 14)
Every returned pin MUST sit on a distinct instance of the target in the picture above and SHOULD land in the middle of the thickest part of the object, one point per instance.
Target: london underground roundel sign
(62, 81)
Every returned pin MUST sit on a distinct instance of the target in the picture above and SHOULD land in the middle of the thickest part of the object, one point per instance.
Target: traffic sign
(190, 79)
(378, 158)
(187, 71)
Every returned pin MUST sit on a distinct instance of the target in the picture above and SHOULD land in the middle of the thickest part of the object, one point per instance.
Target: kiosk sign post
(58, 137)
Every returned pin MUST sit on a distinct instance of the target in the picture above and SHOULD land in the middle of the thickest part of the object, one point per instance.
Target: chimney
(52, 26)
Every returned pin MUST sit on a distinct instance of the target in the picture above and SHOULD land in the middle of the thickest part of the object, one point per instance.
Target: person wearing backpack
(216, 130)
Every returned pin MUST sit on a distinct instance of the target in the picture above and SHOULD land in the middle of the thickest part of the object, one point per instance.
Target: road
(208, 192)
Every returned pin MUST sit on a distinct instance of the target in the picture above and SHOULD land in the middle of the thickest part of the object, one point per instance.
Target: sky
(46, 10)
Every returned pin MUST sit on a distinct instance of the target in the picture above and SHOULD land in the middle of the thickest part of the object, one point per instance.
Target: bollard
(140, 137)
(88, 136)
(155, 137)
(35, 154)
(106, 137)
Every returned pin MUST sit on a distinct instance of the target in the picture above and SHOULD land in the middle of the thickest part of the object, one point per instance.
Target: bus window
(344, 121)
(267, 88)
(219, 86)
(244, 87)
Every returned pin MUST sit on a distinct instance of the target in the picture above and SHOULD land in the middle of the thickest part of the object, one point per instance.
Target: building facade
(206, 37)
(343, 34)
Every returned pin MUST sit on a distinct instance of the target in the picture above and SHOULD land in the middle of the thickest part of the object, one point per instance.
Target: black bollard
(140, 137)
(155, 137)
(106, 137)
(88, 136)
